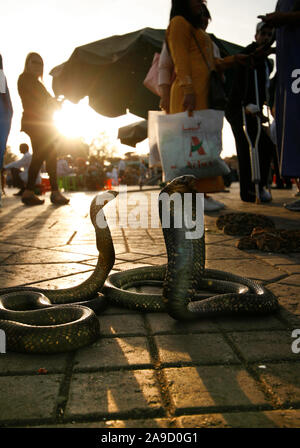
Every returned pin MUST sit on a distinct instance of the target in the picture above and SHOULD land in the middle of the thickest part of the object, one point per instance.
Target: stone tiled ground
(148, 370)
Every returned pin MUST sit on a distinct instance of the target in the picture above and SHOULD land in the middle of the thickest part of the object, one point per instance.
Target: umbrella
(133, 133)
(111, 72)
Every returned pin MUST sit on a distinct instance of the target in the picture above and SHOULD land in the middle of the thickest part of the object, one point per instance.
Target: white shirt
(24, 163)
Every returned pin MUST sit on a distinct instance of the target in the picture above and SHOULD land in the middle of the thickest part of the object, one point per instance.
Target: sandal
(32, 200)
(58, 199)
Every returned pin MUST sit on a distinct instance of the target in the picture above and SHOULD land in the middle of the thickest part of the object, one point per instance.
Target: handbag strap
(202, 52)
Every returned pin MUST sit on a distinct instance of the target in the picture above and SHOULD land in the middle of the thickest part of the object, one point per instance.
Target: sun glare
(79, 120)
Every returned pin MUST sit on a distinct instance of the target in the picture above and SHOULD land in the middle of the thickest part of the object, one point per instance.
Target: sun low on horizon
(81, 121)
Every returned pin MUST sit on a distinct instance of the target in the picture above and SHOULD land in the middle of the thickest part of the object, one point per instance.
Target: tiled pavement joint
(267, 391)
(165, 395)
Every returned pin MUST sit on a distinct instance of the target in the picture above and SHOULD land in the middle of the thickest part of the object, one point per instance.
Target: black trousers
(17, 181)
(43, 141)
(266, 150)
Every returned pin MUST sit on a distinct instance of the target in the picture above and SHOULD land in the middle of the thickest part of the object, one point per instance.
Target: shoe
(32, 200)
(265, 196)
(19, 193)
(293, 206)
(297, 194)
(210, 205)
(58, 199)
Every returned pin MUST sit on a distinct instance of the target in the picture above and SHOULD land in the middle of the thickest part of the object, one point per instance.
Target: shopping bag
(151, 80)
(154, 157)
(191, 144)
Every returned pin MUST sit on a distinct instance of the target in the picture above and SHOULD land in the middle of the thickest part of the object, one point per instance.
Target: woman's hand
(242, 59)
(274, 19)
(189, 102)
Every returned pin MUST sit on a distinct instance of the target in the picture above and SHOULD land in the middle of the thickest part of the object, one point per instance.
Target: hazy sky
(54, 28)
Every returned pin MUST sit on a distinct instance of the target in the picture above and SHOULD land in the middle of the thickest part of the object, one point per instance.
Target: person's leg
(28, 197)
(51, 167)
(17, 181)
(247, 192)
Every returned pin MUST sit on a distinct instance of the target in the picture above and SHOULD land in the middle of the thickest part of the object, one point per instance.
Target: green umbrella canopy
(111, 72)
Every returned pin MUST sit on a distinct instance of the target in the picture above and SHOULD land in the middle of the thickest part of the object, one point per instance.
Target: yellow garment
(192, 75)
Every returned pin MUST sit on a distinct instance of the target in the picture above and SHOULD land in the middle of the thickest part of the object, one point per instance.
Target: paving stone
(288, 297)
(9, 248)
(115, 352)
(216, 237)
(116, 424)
(215, 251)
(129, 257)
(126, 266)
(264, 345)
(266, 419)
(28, 397)
(24, 274)
(293, 280)
(212, 387)
(162, 323)
(194, 348)
(42, 242)
(5, 256)
(255, 269)
(83, 249)
(13, 363)
(44, 257)
(284, 380)
(149, 249)
(107, 393)
(255, 323)
(122, 324)
(156, 260)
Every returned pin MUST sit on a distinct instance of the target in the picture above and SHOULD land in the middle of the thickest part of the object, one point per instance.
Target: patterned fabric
(288, 93)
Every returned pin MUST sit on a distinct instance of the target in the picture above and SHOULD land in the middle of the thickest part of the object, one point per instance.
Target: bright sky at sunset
(54, 28)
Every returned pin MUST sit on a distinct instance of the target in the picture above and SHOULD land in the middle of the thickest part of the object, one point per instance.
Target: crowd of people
(184, 81)
(186, 60)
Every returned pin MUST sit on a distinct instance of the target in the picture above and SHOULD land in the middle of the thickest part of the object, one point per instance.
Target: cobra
(50, 321)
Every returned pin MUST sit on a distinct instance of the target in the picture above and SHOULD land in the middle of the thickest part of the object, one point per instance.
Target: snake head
(100, 201)
(182, 184)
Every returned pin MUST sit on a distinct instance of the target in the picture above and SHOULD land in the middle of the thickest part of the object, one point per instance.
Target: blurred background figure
(19, 170)
(37, 121)
(6, 113)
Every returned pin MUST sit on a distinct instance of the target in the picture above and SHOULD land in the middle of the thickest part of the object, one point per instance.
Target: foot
(29, 198)
(58, 199)
(20, 192)
(265, 196)
(211, 205)
(293, 206)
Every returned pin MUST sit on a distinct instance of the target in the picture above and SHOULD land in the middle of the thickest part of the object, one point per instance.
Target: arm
(165, 73)
(277, 19)
(16, 164)
(232, 61)
(35, 96)
(165, 67)
(179, 35)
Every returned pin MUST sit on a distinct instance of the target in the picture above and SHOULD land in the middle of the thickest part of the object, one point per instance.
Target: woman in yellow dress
(190, 88)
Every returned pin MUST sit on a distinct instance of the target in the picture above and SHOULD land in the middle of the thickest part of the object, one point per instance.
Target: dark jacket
(243, 88)
(36, 101)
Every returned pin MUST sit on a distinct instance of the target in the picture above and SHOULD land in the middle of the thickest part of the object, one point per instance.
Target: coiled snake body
(50, 321)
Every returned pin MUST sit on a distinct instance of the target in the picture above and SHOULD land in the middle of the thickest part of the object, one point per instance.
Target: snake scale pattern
(50, 321)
